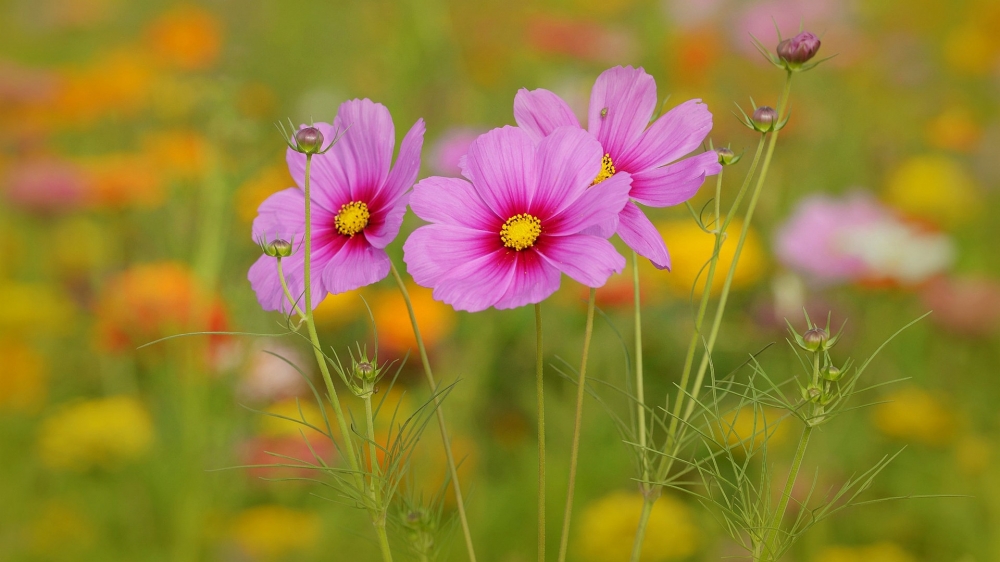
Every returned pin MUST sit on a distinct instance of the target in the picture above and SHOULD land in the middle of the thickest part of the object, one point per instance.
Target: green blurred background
(137, 140)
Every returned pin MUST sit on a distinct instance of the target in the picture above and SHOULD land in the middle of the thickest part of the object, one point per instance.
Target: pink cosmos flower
(357, 207)
(621, 105)
(503, 240)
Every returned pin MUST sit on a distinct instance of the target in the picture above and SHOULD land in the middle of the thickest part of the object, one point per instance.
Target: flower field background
(137, 141)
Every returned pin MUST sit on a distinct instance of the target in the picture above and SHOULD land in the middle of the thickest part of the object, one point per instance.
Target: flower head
(622, 103)
(98, 433)
(503, 240)
(798, 49)
(608, 524)
(358, 202)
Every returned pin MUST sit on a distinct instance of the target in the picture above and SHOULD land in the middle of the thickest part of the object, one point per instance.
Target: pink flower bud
(309, 140)
(798, 49)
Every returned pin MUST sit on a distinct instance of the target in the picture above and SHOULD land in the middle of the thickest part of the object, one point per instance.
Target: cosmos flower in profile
(502, 240)
(358, 203)
(622, 103)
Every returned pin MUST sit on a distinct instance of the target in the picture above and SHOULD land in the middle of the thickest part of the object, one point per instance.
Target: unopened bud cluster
(822, 388)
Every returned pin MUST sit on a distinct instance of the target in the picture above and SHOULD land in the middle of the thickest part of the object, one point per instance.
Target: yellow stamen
(607, 170)
(352, 218)
(520, 231)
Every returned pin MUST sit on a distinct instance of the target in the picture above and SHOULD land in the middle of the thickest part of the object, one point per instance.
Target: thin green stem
(640, 535)
(374, 468)
(640, 392)
(288, 294)
(348, 449)
(676, 427)
(452, 468)
(383, 542)
(771, 546)
(581, 387)
(540, 392)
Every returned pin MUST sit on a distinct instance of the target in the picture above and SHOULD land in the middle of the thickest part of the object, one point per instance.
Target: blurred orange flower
(117, 83)
(121, 180)
(259, 187)
(186, 37)
(150, 301)
(954, 129)
(178, 153)
(395, 333)
(23, 377)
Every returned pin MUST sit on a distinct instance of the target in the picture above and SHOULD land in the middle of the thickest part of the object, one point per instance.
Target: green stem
(771, 546)
(639, 386)
(640, 534)
(383, 542)
(666, 461)
(581, 386)
(376, 491)
(452, 468)
(348, 449)
(288, 294)
(540, 392)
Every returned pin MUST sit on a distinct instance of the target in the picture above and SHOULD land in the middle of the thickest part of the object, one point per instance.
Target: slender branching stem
(348, 448)
(452, 468)
(383, 541)
(288, 294)
(581, 387)
(770, 551)
(375, 488)
(540, 392)
(640, 392)
(676, 428)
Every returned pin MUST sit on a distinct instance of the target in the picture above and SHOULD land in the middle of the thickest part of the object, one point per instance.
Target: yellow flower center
(520, 231)
(607, 170)
(352, 218)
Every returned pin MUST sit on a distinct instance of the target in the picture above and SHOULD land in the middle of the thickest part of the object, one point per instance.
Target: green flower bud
(726, 156)
(308, 140)
(815, 338)
(765, 118)
(365, 370)
(812, 393)
(831, 373)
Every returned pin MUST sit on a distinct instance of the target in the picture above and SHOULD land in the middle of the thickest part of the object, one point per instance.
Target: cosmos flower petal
(328, 183)
(478, 284)
(281, 215)
(533, 281)
(596, 207)
(639, 234)
(386, 221)
(589, 260)
(432, 251)
(621, 103)
(502, 165)
(676, 133)
(540, 112)
(364, 152)
(404, 171)
(675, 183)
(568, 161)
(357, 264)
(452, 201)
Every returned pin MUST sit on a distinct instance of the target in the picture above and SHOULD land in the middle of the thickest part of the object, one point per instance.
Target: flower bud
(831, 373)
(765, 118)
(364, 370)
(799, 49)
(812, 393)
(308, 140)
(815, 338)
(726, 156)
(281, 248)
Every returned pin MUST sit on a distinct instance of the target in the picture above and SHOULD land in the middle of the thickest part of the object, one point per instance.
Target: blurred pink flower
(45, 185)
(967, 306)
(857, 239)
(450, 148)
(261, 453)
(271, 373)
(579, 39)
(686, 14)
(20, 84)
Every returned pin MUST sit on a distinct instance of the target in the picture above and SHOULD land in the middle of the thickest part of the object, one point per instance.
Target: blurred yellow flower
(259, 187)
(738, 427)
(395, 333)
(972, 49)
(99, 433)
(915, 414)
(30, 308)
(973, 454)
(23, 377)
(935, 188)
(60, 531)
(179, 153)
(878, 552)
(78, 246)
(268, 532)
(607, 527)
(691, 248)
(341, 309)
(186, 37)
(954, 129)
